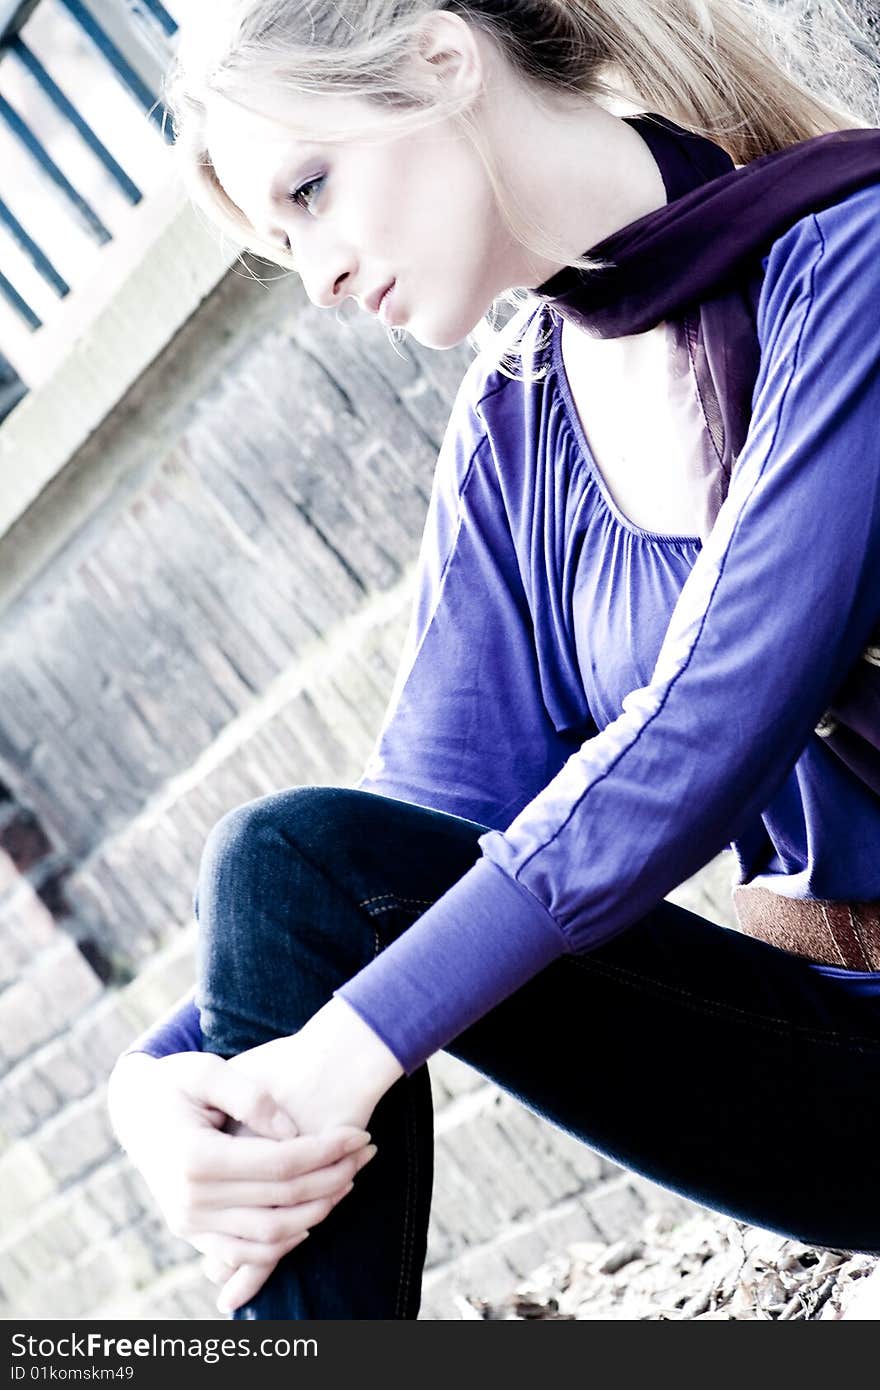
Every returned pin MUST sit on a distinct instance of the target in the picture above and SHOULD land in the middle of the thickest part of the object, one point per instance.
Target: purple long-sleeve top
(617, 705)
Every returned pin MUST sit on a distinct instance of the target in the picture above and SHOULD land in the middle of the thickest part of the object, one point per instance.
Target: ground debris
(618, 1255)
(700, 1267)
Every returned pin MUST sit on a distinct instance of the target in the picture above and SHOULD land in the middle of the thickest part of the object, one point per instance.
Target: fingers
(209, 1156)
(319, 1183)
(217, 1271)
(208, 1079)
(242, 1286)
(234, 1251)
(272, 1226)
(266, 1235)
(245, 1244)
(314, 1192)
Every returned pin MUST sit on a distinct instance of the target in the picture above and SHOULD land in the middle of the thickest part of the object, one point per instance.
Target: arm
(179, 1030)
(466, 730)
(777, 608)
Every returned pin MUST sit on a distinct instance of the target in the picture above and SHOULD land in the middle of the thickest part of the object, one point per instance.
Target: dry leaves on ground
(704, 1267)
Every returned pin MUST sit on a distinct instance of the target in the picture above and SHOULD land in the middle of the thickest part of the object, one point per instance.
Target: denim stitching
(377, 946)
(411, 1172)
(408, 1242)
(712, 1006)
(395, 901)
(411, 1137)
(332, 882)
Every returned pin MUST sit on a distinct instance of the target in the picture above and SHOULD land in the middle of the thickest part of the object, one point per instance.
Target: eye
(303, 195)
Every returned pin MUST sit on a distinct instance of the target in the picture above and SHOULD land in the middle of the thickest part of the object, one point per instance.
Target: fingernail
(364, 1158)
(356, 1142)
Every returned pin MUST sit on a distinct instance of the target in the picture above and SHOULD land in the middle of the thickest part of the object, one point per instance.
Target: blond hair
(753, 75)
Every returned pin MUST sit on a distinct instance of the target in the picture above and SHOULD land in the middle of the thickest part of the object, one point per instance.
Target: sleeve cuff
(180, 1030)
(472, 948)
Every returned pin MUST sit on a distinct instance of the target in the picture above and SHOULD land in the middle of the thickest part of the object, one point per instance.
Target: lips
(373, 302)
(386, 307)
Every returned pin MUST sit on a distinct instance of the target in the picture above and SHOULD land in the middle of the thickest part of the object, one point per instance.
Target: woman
(629, 622)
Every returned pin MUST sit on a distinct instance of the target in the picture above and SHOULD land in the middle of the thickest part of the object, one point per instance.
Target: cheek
(430, 217)
(452, 298)
(445, 190)
(457, 222)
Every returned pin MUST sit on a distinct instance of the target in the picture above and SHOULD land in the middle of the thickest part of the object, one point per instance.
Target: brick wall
(219, 584)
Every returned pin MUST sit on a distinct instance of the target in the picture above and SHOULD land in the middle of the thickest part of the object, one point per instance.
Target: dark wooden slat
(131, 80)
(14, 14)
(166, 22)
(82, 209)
(47, 83)
(22, 309)
(37, 257)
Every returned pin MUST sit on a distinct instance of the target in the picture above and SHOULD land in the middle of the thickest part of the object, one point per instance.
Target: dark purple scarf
(698, 260)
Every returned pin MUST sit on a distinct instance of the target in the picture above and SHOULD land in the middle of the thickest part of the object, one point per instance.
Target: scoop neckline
(574, 424)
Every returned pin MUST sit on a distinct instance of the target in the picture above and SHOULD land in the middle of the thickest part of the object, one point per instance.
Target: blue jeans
(728, 1071)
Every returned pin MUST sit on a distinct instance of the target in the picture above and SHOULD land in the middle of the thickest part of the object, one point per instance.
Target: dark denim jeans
(731, 1072)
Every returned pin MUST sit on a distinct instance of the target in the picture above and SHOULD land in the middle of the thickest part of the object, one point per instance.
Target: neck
(580, 172)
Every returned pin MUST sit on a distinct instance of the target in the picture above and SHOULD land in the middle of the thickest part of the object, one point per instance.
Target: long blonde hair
(753, 75)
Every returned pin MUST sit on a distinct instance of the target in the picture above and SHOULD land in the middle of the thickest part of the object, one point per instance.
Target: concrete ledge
(149, 283)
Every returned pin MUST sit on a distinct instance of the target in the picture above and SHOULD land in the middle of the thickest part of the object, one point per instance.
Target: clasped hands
(245, 1157)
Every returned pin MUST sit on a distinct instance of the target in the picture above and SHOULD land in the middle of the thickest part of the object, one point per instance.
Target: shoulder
(487, 386)
(829, 258)
(489, 416)
(490, 404)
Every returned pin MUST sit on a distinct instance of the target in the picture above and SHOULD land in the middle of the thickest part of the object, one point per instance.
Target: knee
(250, 835)
(238, 833)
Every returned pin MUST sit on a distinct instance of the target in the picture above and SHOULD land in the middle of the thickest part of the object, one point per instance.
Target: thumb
(209, 1081)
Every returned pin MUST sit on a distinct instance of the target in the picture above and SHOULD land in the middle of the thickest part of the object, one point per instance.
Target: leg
(703, 1059)
(736, 1074)
(297, 891)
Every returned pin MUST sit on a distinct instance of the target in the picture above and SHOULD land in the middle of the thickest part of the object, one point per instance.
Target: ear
(450, 52)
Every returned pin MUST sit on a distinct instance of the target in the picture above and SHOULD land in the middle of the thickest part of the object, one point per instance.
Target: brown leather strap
(830, 933)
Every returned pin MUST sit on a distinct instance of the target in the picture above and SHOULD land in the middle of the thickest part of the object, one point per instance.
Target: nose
(327, 289)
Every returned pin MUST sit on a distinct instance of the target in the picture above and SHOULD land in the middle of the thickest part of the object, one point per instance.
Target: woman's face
(417, 209)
